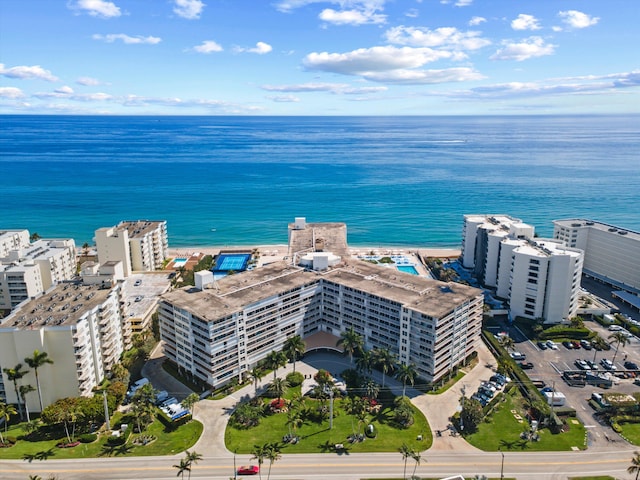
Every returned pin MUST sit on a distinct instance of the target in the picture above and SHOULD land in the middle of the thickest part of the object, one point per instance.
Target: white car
(552, 345)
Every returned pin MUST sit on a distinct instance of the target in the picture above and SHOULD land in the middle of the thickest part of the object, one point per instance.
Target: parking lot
(548, 365)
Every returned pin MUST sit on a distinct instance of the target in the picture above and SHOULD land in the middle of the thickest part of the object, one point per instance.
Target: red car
(249, 470)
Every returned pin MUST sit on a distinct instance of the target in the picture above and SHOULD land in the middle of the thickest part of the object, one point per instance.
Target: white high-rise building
(80, 328)
(140, 245)
(611, 254)
(13, 240)
(33, 268)
(219, 333)
(539, 278)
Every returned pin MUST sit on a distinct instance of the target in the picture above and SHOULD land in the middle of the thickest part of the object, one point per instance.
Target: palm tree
(273, 454)
(293, 347)
(576, 322)
(620, 339)
(385, 360)
(351, 342)
(256, 375)
(275, 360)
(507, 342)
(635, 464)
(372, 389)
(6, 411)
(190, 401)
(192, 458)
(183, 466)
(259, 452)
(278, 387)
(24, 390)
(294, 420)
(406, 451)
(406, 374)
(13, 375)
(37, 360)
(364, 362)
(415, 455)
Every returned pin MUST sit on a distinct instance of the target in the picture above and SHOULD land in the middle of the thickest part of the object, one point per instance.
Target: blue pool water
(179, 262)
(408, 269)
(231, 261)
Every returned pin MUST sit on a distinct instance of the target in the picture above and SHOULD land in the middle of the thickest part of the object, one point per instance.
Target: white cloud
(65, 90)
(444, 36)
(284, 98)
(529, 48)
(96, 8)
(352, 17)
(375, 59)
(337, 88)
(127, 39)
(289, 5)
(11, 92)
(87, 81)
(525, 22)
(208, 46)
(189, 9)
(476, 21)
(24, 72)
(412, 13)
(463, 3)
(576, 19)
(425, 77)
(261, 48)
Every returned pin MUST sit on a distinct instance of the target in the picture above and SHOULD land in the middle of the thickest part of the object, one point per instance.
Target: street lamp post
(502, 465)
(330, 408)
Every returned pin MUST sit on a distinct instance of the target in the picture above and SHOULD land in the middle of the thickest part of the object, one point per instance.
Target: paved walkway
(214, 414)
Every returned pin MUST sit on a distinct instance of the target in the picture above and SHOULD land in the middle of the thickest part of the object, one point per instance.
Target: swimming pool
(179, 262)
(408, 269)
(232, 261)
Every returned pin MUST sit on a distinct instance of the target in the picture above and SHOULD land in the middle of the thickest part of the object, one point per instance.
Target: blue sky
(317, 57)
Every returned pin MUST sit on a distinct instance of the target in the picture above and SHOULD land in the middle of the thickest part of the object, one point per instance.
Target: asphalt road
(523, 466)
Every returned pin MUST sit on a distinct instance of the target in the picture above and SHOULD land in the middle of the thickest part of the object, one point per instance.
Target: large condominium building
(219, 333)
(32, 268)
(140, 245)
(611, 254)
(80, 327)
(539, 278)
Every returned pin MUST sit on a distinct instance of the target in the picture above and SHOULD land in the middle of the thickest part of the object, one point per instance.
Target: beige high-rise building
(80, 327)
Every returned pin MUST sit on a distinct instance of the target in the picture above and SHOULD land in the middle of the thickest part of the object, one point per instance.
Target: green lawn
(502, 431)
(316, 437)
(167, 443)
(631, 432)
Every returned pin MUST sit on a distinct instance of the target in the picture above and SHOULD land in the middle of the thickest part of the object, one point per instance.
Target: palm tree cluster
(190, 459)
(407, 452)
(15, 374)
(270, 451)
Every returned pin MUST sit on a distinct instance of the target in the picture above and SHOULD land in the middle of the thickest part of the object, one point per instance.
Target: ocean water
(396, 181)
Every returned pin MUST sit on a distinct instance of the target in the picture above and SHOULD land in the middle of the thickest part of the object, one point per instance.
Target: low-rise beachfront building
(611, 254)
(539, 278)
(31, 269)
(140, 245)
(80, 327)
(219, 333)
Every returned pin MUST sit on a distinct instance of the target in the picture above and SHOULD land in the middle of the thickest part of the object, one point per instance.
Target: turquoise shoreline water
(395, 181)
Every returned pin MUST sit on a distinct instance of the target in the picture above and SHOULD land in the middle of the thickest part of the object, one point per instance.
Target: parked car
(592, 365)
(576, 344)
(630, 365)
(518, 356)
(249, 470)
(552, 345)
(607, 364)
(585, 344)
(581, 364)
(542, 346)
(525, 365)
(568, 345)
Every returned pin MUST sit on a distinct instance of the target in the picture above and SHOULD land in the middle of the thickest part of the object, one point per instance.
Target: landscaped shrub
(352, 378)
(565, 331)
(88, 438)
(294, 379)
(116, 441)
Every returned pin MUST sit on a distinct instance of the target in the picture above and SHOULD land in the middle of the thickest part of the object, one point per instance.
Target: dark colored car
(630, 365)
(542, 346)
(249, 470)
(568, 344)
(525, 365)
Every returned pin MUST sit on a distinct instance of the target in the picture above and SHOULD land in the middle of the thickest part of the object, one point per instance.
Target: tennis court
(232, 261)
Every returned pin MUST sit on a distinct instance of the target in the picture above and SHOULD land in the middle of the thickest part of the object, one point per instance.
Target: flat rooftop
(64, 304)
(604, 227)
(317, 237)
(233, 293)
(139, 228)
